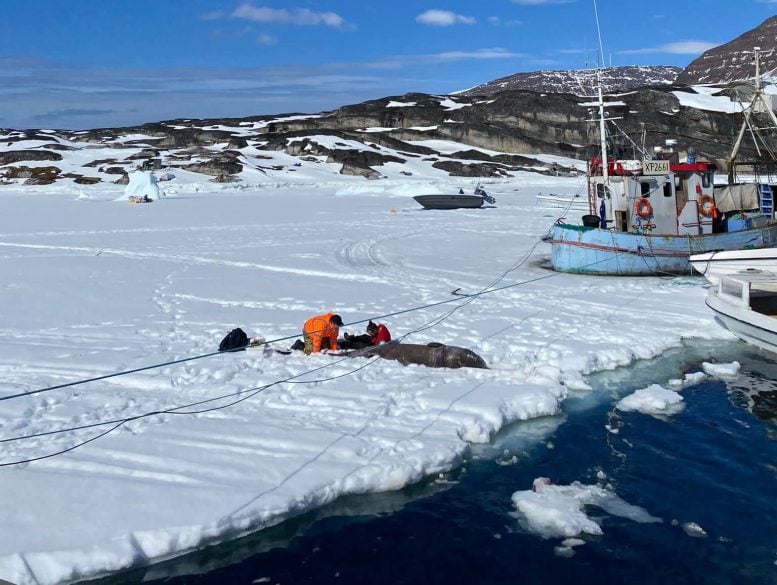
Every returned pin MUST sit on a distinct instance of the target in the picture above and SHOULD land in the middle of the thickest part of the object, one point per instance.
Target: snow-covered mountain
(733, 61)
(581, 81)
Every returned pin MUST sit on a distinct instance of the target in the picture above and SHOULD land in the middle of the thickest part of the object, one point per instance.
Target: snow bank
(94, 292)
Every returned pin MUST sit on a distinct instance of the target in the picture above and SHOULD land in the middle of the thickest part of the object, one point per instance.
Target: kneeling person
(320, 332)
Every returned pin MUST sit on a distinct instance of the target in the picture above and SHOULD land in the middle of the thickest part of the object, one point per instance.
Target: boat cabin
(654, 196)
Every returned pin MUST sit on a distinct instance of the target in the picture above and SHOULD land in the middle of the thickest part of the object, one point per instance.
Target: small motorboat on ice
(455, 201)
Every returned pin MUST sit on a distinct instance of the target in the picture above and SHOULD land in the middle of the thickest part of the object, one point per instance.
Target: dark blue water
(714, 464)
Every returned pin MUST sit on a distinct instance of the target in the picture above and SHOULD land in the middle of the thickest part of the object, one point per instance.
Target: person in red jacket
(378, 333)
(320, 332)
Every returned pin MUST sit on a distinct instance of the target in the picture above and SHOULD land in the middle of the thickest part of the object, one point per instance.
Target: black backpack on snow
(235, 339)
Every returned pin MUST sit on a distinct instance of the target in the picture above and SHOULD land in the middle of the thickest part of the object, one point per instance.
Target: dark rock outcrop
(25, 172)
(42, 175)
(224, 163)
(14, 156)
(146, 153)
(459, 169)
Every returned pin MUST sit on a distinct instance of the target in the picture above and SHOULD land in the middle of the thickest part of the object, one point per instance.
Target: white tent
(141, 183)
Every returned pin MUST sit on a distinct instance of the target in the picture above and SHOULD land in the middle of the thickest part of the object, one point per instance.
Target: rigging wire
(463, 299)
(246, 394)
(177, 410)
(457, 298)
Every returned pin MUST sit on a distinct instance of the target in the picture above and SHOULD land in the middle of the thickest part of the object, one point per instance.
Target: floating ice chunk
(687, 380)
(693, 529)
(694, 378)
(721, 370)
(564, 551)
(557, 511)
(654, 399)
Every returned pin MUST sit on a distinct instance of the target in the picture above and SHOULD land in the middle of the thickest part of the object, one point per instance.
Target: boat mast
(757, 99)
(602, 129)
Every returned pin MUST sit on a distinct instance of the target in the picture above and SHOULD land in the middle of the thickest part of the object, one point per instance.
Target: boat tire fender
(706, 205)
(643, 208)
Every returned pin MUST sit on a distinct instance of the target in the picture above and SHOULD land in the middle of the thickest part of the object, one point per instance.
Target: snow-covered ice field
(92, 286)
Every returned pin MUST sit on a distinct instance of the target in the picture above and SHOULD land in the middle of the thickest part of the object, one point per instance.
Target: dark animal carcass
(433, 355)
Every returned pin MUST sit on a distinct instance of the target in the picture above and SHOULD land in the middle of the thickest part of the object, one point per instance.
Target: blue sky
(102, 63)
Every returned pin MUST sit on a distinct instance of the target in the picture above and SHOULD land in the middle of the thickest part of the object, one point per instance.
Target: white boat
(746, 305)
(713, 265)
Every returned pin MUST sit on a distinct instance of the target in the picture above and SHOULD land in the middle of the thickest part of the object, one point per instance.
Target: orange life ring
(643, 208)
(706, 205)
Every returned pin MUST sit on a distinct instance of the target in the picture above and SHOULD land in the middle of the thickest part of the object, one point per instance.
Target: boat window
(706, 180)
(667, 189)
(678, 183)
(602, 191)
(644, 189)
(732, 288)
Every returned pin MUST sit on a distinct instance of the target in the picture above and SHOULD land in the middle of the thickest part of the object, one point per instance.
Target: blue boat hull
(587, 250)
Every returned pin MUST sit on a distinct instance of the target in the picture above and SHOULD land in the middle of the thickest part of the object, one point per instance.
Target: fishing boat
(713, 265)
(455, 201)
(746, 305)
(647, 215)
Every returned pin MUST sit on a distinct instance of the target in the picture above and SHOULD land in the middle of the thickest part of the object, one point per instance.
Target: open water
(709, 472)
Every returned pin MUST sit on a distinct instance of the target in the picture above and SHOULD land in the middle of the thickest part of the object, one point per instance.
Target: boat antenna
(602, 129)
(599, 35)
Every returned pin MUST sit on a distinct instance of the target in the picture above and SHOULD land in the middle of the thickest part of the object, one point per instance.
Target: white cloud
(465, 55)
(265, 39)
(297, 16)
(213, 15)
(404, 61)
(497, 21)
(678, 48)
(238, 33)
(443, 18)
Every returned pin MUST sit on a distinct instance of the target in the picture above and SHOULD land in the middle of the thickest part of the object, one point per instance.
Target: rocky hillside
(581, 82)
(443, 136)
(733, 61)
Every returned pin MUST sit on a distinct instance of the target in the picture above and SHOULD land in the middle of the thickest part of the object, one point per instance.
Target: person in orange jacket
(320, 332)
